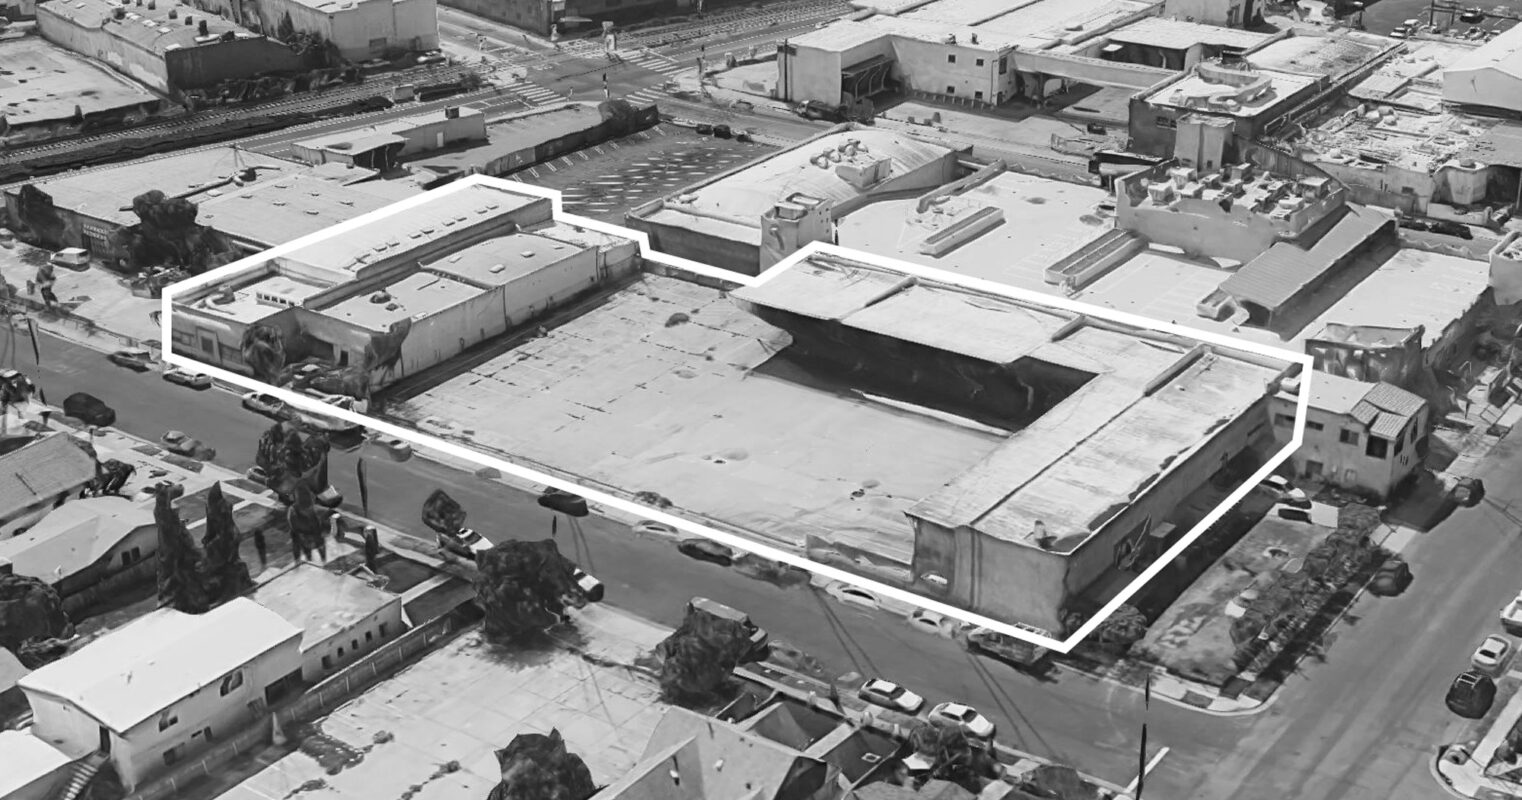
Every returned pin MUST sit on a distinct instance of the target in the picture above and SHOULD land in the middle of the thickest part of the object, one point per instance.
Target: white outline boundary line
(646, 253)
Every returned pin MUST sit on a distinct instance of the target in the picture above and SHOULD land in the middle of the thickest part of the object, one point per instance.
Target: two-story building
(1364, 437)
(341, 617)
(165, 686)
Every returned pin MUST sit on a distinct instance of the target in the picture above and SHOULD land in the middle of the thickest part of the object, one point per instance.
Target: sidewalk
(1471, 770)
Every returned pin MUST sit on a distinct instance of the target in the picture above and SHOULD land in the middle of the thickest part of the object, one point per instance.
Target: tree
(181, 585)
(953, 755)
(167, 233)
(1058, 783)
(307, 534)
(538, 767)
(1122, 629)
(30, 610)
(263, 350)
(699, 658)
(525, 587)
(226, 576)
(270, 457)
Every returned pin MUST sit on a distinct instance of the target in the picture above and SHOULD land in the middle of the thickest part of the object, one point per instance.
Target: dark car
(816, 109)
(1392, 578)
(1471, 694)
(1414, 224)
(723, 131)
(1467, 492)
(707, 550)
(1448, 227)
(89, 409)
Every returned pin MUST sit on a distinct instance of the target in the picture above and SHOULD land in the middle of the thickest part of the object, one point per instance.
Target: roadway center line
(1151, 765)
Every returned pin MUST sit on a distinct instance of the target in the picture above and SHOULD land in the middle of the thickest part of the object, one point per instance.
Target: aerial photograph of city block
(760, 400)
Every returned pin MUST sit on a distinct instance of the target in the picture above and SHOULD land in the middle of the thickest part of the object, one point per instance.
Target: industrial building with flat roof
(411, 287)
(167, 45)
(748, 218)
(58, 82)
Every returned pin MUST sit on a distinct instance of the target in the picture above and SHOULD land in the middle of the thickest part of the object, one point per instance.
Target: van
(759, 638)
(72, 257)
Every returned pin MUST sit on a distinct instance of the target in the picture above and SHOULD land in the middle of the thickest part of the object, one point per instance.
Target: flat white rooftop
(1044, 220)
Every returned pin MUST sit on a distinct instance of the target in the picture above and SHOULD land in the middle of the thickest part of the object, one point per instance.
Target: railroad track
(222, 115)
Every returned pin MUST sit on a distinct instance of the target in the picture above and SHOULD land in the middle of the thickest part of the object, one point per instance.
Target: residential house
(80, 543)
(38, 477)
(165, 686)
(695, 757)
(342, 618)
(1364, 437)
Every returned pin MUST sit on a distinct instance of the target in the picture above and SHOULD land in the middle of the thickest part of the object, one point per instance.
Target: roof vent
(496, 268)
(527, 254)
(380, 297)
(312, 211)
(393, 306)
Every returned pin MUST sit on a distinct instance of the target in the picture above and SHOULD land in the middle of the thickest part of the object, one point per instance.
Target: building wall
(62, 723)
(929, 67)
(812, 73)
(96, 43)
(351, 644)
(146, 750)
(210, 64)
(1324, 453)
(425, 137)
(1223, 13)
(1101, 554)
(529, 15)
(1389, 186)
(141, 543)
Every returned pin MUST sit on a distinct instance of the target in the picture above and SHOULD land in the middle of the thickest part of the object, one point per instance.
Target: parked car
(817, 109)
(1511, 616)
(1492, 656)
(1008, 648)
(887, 694)
(7, 239)
(257, 475)
(431, 57)
(465, 543)
(1448, 227)
(266, 404)
(185, 377)
(1287, 493)
(1471, 695)
(89, 409)
(1291, 513)
(707, 550)
(134, 359)
(592, 586)
(73, 258)
(723, 131)
(965, 717)
(395, 446)
(182, 445)
(853, 595)
(1392, 578)
(652, 527)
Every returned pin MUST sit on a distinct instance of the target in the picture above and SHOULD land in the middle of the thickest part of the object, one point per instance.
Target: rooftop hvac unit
(380, 297)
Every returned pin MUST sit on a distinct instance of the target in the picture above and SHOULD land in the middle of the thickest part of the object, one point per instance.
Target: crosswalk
(655, 63)
(536, 95)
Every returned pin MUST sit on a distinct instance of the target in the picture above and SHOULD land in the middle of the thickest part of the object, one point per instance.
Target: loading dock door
(865, 79)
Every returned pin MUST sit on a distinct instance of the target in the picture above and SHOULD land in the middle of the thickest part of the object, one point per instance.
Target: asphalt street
(1363, 724)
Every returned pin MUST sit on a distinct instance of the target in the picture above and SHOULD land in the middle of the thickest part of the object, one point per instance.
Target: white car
(592, 586)
(1280, 485)
(887, 694)
(965, 717)
(266, 404)
(185, 377)
(1511, 615)
(464, 542)
(852, 595)
(1493, 655)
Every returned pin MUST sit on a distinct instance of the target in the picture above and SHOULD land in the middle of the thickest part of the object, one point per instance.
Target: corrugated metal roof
(1392, 398)
(1280, 273)
(1389, 426)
